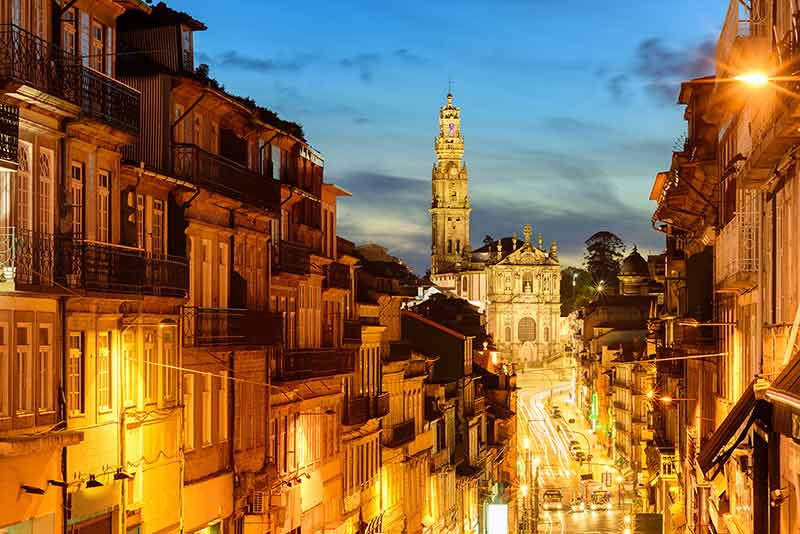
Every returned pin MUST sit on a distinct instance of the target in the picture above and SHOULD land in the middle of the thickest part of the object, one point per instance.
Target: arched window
(527, 282)
(526, 331)
(546, 334)
(508, 334)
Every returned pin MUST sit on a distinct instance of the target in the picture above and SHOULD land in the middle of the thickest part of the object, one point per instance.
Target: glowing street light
(651, 394)
(524, 489)
(753, 78)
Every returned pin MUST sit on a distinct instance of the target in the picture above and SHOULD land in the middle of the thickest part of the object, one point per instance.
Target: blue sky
(567, 105)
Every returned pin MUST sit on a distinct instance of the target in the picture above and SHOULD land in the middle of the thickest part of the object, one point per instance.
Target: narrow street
(549, 441)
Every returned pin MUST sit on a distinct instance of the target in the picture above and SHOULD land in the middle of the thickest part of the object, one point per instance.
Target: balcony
(293, 258)
(440, 459)
(399, 351)
(32, 69)
(351, 332)
(479, 406)
(416, 368)
(313, 363)
(223, 327)
(35, 260)
(109, 101)
(224, 177)
(337, 275)
(361, 409)
(399, 434)
(9, 135)
(736, 252)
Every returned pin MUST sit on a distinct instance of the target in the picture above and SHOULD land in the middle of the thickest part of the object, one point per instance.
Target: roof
(634, 265)
(160, 15)
(429, 322)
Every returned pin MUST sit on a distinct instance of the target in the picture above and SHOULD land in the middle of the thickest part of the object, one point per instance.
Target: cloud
(361, 121)
(237, 60)
(663, 68)
(404, 54)
(367, 63)
(618, 87)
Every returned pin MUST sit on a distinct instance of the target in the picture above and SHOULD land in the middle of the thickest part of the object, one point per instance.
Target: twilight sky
(567, 105)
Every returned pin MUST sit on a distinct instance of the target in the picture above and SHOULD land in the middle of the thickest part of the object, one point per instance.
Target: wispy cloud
(663, 67)
(237, 60)
(367, 63)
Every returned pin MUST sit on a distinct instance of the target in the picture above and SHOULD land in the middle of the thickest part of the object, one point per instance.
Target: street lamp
(753, 78)
(620, 480)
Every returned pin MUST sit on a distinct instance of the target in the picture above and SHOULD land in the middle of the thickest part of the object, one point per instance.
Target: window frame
(46, 368)
(77, 185)
(24, 392)
(104, 373)
(76, 372)
(104, 207)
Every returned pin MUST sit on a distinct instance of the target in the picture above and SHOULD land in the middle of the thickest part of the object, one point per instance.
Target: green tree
(577, 289)
(604, 251)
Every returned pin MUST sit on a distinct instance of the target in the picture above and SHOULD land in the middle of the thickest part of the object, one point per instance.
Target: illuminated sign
(497, 518)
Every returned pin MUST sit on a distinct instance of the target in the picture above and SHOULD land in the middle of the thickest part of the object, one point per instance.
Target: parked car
(552, 500)
(577, 505)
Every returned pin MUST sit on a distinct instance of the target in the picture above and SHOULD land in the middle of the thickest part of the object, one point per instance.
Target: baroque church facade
(515, 282)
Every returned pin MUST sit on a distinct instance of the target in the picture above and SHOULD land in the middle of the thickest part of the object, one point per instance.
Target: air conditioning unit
(256, 504)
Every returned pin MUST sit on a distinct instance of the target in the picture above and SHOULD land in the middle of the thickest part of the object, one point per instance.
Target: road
(549, 442)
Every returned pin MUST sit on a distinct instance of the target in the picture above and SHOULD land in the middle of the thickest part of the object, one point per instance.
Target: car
(552, 500)
(577, 505)
(601, 500)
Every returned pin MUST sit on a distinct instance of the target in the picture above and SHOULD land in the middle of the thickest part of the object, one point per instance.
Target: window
(276, 162)
(45, 368)
(76, 197)
(508, 334)
(85, 38)
(197, 130)
(507, 283)
(526, 330)
(131, 366)
(25, 385)
(45, 191)
(97, 50)
(103, 206)
(205, 270)
(140, 221)
(224, 277)
(150, 367)
(186, 49)
(546, 334)
(449, 246)
(68, 32)
(23, 187)
(223, 406)
(207, 419)
(169, 371)
(5, 373)
(158, 228)
(104, 371)
(188, 411)
(458, 246)
(75, 367)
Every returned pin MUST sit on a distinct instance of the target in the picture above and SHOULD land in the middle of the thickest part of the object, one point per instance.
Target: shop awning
(736, 423)
(784, 394)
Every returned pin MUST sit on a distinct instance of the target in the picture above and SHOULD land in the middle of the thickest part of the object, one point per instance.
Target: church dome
(634, 265)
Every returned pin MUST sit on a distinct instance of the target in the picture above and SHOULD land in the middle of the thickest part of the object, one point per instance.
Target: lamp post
(620, 480)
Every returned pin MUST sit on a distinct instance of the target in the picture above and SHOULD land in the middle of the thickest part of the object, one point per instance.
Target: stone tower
(449, 196)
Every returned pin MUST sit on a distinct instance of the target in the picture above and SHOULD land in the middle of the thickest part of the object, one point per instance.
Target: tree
(604, 251)
(577, 289)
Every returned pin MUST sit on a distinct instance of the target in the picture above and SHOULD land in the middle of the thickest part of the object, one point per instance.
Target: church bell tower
(449, 196)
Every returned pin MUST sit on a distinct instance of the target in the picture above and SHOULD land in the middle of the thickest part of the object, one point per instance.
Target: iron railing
(737, 250)
(399, 434)
(109, 101)
(313, 363)
(34, 256)
(362, 409)
(416, 368)
(337, 275)
(8, 254)
(293, 258)
(9, 132)
(382, 405)
(27, 59)
(203, 327)
(223, 176)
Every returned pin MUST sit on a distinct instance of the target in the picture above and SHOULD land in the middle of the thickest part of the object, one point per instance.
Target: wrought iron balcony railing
(208, 327)
(337, 275)
(225, 177)
(359, 410)
(313, 363)
(29, 60)
(109, 101)
(293, 258)
(737, 250)
(399, 434)
(9, 133)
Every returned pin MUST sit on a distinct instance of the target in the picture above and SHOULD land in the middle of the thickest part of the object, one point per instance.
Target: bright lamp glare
(756, 79)
(497, 518)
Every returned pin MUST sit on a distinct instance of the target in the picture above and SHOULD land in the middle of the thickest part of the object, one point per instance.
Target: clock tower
(449, 197)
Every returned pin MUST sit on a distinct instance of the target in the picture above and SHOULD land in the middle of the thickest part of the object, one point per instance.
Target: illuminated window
(103, 206)
(169, 370)
(527, 282)
(150, 367)
(206, 410)
(75, 366)
(45, 191)
(24, 187)
(131, 365)
(104, 371)
(188, 411)
(25, 385)
(76, 198)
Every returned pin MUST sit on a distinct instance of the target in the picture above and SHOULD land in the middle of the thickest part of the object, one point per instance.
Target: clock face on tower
(452, 130)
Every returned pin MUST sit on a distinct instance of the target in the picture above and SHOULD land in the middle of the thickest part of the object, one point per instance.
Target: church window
(508, 334)
(458, 246)
(526, 330)
(449, 246)
(508, 282)
(464, 284)
(527, 282)
(546, 334)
